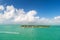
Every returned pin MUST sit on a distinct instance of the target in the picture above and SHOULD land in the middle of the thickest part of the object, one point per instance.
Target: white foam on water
(9, 32)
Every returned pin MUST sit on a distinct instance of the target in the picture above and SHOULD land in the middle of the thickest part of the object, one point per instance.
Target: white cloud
(1, 7)
(56, 20)
(11, 14)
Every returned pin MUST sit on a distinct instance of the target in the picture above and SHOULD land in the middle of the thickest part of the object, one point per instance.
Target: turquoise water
(15, 32)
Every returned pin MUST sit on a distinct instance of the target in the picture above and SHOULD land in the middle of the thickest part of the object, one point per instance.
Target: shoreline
(35, 26)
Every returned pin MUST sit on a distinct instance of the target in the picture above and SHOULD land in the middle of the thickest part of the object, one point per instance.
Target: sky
(30, 11)
(45, 8)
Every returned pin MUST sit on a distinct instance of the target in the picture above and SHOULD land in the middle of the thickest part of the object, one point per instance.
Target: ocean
(16, 32)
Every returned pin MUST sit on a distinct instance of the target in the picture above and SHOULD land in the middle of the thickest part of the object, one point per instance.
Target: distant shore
(35, 26)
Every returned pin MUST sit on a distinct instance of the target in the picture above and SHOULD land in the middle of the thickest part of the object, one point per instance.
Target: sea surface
(16, 32)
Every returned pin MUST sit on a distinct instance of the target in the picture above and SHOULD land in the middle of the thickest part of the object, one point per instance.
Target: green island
(35, 26)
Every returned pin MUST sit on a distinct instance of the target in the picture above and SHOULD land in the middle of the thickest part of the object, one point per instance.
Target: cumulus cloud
(10, 14)
(1, 7)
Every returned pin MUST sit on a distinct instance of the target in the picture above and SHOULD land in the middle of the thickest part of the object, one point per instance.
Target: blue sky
(45, 8)
(30, 11)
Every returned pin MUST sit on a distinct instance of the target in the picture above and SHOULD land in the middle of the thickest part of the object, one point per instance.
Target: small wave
(9, 32)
